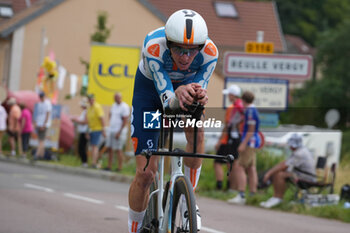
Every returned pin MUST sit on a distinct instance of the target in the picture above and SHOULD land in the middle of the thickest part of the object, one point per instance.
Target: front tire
(150, 221)
(183, 187)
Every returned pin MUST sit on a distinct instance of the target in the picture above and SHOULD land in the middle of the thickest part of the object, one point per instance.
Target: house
(38, 27)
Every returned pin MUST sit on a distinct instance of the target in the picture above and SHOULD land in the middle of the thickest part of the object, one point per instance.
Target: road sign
(259, 47)
(270, 94)
(291, 67)
(269, 119)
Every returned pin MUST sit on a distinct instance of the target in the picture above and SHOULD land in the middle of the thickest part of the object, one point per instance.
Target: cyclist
(177, 63)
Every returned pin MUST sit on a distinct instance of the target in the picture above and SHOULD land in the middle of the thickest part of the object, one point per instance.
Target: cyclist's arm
(161, 80)
(210, 56)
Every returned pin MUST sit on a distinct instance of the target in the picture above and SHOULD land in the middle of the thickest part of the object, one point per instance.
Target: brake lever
(148, 155)
(230, 158)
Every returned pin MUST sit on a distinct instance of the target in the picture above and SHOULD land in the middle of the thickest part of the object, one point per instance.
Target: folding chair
(324, 183)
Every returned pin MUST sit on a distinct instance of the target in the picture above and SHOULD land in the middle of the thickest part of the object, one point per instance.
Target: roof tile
(232, 32)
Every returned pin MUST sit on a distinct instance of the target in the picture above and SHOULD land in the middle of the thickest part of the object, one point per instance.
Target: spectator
(118, 119)
(3, 124)
(26, 128)
(230, 137)
(300, 165)
(246, 162)
(96, 126)
(42, 121)
(14, 126)
(83, 130)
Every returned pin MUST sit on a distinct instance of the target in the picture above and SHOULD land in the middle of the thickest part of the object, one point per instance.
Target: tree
(333, 90)
(102, 32)
(309, 18)
(101, 35)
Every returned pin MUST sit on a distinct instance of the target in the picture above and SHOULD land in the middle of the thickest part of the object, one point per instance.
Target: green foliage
(332, 91)
(102, 31)
(334, 53)
(308, 18)
(101, 35)
(345, 148)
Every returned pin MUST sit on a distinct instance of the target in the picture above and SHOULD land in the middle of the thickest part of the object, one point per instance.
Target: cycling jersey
(251, 117)
(156, 79)
(157, 64)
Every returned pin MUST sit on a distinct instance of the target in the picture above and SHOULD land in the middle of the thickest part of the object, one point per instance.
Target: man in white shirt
(42, 121)
(116, 136)
(299, 166)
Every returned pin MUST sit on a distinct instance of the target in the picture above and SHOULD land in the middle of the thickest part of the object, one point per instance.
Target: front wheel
(180, 220)
(150, 221)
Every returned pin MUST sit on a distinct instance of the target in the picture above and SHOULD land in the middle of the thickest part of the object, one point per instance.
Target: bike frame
(164, 216)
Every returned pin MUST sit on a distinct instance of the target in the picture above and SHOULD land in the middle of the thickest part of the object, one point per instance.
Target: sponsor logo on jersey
(154, 50)
(210, 49)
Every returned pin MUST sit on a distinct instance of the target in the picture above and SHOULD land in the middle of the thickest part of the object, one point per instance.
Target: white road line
(207, 229)
(32, 186)
(125, 208)
(91, 200)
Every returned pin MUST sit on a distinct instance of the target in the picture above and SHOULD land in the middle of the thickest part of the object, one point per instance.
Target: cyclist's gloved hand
(195, 110)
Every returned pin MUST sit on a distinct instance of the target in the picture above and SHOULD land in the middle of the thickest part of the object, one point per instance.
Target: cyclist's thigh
(145, 101)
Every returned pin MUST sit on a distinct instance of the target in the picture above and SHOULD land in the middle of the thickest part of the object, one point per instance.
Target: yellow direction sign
(258, 47)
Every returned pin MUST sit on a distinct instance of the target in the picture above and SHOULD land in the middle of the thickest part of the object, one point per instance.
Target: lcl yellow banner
(112, 69)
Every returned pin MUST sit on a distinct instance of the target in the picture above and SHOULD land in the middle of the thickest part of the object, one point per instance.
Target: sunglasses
(188, 51)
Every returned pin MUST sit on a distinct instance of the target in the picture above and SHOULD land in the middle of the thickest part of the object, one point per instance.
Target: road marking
(32, 186)
(207, 229)
(88, 199)
(125, 208)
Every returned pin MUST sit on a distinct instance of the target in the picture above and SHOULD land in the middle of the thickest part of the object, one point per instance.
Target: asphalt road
(34, 200)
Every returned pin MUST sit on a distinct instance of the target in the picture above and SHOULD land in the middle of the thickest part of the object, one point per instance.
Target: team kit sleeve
(210, 57)
(153, 52)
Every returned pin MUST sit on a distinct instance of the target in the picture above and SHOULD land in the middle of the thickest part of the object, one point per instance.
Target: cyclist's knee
(189, 135)
(144, 179)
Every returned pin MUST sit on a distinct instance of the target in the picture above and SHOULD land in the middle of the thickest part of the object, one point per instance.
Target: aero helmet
(186, 27)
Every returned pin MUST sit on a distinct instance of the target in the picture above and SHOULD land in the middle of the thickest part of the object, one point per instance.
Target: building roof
(296, 44)
(225, 31)
(25, 15)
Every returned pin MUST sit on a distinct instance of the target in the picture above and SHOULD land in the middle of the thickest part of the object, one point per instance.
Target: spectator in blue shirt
(246, 163)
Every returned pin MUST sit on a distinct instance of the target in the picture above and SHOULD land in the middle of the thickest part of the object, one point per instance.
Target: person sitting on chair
(300, 165)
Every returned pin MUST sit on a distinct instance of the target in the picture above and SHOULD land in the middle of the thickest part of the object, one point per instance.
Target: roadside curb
(86, 172)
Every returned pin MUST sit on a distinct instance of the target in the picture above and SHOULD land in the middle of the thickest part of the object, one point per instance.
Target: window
(6, 11)
(225, 9)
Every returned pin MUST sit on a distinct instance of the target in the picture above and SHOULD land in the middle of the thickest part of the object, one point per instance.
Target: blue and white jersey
(157, 65)
(251, 117)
